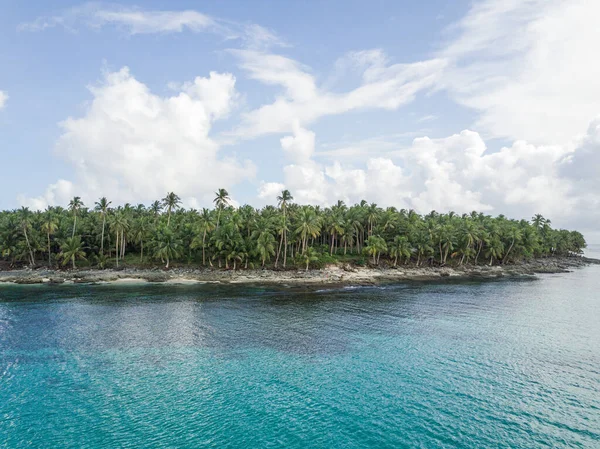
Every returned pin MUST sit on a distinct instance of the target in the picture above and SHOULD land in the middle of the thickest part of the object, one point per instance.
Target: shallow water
(468, 365)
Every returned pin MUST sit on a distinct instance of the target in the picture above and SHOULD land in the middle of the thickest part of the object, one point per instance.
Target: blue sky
(462, 105)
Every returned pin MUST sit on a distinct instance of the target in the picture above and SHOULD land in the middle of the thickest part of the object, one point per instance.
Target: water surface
(460, 365)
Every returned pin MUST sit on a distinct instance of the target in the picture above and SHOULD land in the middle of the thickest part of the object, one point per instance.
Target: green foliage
(244, 237)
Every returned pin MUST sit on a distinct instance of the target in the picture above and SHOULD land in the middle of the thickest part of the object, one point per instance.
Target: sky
(488, 105)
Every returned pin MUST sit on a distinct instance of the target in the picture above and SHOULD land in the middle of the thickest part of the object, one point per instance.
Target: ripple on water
(503, 364)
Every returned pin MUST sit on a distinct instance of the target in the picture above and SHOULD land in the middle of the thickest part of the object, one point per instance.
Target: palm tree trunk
(102, 238)
(396, 261)
(28, 246)
(507, 252)
(167, 266)
(117, 249)
(332, 243)
(73, 260)
(203, 249)
(142, 251)
(478, 251)
(278, 250)
(284, 246)
(49, 253)
(74, 225)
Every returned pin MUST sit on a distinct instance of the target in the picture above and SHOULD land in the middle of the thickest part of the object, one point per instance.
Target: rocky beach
(342, 274)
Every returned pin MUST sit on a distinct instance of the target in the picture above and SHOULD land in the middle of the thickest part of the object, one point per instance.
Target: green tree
(166, 245)
(282, 201)
(75, 205)
(170, 202)
(102, 206)
(310, 255)
(221, 202)
(71, 250)
(265, 246)
(309, 225)
(49, 227)
(375, 247)
(25, 221)
(400, 247)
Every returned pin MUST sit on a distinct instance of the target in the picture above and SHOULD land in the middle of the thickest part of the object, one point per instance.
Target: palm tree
(265, 246)
(167, 246)
(221, 201)
(400, 248)
(141, 228)
(74, 206)
(205, 225)
(71, 250)
(335, 228)
(49, 227)
(310, 255)
(102, 207)
(445, 237)
(494, 249)
(375, 247)
(155, 209)
(282, 201)
(170, 202)
(309, 225)
(118, 224)
(25, 221)
(538, 221)
(373, 213)
(514, 234)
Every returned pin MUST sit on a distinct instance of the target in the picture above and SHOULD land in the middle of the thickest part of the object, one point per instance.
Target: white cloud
(528, 67)
(427, 118)
(301, 146)
(134, 20)
(457, 173)
(3, 98)
(132, 145)
(384, 86)
(270, 190)
(56, 194)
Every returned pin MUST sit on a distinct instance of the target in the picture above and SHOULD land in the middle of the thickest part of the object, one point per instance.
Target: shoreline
(340, 274)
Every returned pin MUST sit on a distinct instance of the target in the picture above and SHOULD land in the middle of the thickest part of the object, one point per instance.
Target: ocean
(503, 364)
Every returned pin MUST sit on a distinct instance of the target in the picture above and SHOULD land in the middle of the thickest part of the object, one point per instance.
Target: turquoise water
(468, 365)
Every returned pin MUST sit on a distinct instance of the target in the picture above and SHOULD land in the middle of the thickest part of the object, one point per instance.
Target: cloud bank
(133, 145)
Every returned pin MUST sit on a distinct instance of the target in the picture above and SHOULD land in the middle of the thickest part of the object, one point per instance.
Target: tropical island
(359, 243)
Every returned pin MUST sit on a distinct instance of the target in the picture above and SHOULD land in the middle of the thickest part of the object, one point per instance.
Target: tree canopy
(288, 234)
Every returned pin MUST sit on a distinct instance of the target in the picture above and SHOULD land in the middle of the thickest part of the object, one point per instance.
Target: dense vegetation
(289, 235)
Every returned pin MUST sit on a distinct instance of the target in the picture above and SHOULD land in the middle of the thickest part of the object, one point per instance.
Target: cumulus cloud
(459, 173)
(3, 98)
(59, 193)
(135, 20)
(526, 66)
(383, 86)
(133, 145)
